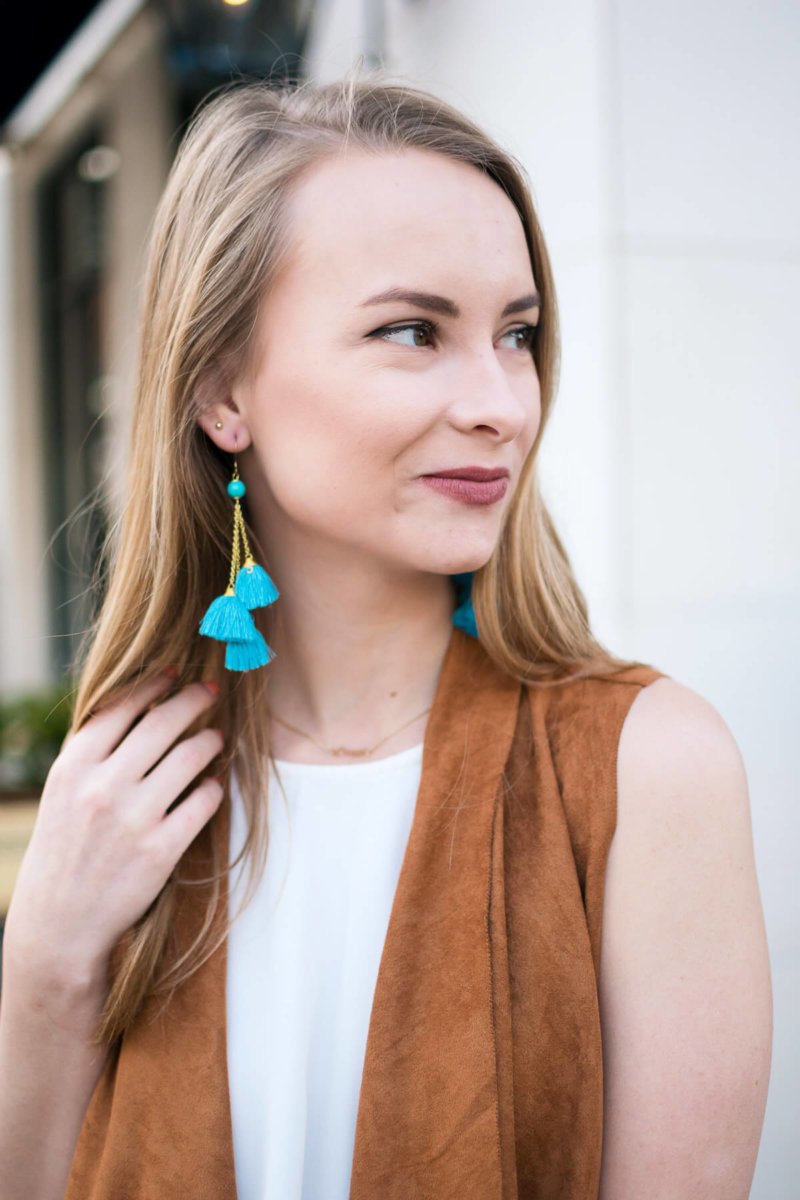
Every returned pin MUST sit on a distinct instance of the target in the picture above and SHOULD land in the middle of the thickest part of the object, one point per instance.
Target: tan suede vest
(482, 1077)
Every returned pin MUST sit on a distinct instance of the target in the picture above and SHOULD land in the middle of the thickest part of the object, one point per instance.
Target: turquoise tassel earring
(464, 615)
(227, 618)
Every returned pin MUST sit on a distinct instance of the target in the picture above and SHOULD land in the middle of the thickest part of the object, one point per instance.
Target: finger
(106, 727)
(180, 828)
(177, 769)
(158, 729)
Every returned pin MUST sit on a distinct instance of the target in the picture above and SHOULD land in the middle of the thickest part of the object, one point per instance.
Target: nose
(502, 401)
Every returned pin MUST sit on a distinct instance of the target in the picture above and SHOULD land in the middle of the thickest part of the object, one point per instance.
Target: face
(355, 399)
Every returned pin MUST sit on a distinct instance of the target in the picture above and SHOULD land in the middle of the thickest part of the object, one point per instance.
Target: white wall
(661, 144)
(710, 107)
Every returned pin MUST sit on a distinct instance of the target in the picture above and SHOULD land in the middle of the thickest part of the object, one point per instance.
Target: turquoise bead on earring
(227, 618)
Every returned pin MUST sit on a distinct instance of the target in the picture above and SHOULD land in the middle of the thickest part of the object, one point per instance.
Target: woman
(349, 337)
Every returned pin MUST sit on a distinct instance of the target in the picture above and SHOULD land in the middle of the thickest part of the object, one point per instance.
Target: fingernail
(212, 686)
(171, 672)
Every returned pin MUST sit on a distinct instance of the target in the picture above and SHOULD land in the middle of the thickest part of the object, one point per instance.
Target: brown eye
(528, 335)
(418, 329)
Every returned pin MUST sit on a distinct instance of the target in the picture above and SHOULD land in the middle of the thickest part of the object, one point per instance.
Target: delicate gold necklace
(339, 750)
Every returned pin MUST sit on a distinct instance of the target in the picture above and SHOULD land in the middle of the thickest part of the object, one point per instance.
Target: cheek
(328, 457)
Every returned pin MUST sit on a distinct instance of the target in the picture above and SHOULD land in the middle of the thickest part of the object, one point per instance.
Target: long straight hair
(219, 235)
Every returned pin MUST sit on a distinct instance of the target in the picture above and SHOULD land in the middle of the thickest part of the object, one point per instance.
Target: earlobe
(225, 427)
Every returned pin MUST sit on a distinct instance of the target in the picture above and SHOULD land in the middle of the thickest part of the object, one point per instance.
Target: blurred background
(661, 142)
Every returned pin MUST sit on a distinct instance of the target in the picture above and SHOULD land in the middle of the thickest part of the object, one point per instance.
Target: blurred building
(85, 156)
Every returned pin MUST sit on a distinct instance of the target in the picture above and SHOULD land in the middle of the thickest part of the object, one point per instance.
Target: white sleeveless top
(303, 959)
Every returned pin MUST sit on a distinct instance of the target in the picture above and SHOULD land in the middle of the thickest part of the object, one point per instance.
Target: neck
(358, 654)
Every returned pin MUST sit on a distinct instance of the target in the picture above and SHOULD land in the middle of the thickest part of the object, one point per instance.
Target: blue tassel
(464, 615)
(464, 618)
(227, 619)
(463, 584)
(254, 587)
(245, 656)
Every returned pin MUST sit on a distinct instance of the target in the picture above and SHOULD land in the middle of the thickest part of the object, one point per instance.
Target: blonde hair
(219, 235)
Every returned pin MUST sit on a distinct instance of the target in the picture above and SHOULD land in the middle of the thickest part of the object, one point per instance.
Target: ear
(221, 418)
(226, 428)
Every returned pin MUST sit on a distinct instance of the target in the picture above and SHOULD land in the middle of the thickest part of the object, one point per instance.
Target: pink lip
(470, 491)
(479, 474)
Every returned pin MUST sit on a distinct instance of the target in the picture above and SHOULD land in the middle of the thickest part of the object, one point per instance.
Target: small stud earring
(218, 425)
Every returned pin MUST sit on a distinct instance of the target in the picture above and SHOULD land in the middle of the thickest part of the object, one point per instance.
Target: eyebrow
(440, 304)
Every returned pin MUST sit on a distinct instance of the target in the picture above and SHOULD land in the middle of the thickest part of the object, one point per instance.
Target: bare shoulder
(683, 814)
(675, 747)
(684, 983)
(667, 699)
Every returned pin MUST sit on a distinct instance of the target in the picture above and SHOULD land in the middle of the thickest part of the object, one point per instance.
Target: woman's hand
(104, 843)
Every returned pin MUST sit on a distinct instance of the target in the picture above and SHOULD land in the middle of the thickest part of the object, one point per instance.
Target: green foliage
(32, 729)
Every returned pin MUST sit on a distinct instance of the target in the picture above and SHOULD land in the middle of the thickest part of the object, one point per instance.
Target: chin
(448, 551)
(451, 563)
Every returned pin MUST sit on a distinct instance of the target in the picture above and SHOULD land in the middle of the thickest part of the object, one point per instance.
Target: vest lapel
(429, 1110)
